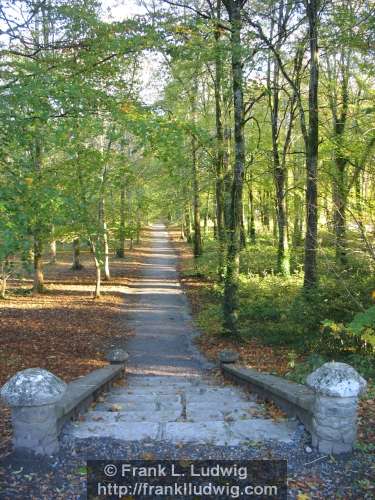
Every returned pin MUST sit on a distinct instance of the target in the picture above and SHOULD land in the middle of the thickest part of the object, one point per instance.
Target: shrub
(300, 371)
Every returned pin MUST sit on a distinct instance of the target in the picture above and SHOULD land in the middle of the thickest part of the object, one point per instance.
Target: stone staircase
(170, 395)
(181, 410)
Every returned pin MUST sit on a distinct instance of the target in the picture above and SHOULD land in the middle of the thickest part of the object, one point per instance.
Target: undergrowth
(275, 309)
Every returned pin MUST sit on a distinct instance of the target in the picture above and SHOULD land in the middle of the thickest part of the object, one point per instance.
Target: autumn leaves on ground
(64, 330)
(67, 332)
(253, 353)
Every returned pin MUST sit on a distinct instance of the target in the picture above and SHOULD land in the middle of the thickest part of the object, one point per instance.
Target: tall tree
(231, 292)
(220, 155)
(312, 147)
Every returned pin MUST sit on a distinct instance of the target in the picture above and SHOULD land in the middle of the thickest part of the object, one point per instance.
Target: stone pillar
(117, 357)
(227, 357)
(32, 395)
(337, 387)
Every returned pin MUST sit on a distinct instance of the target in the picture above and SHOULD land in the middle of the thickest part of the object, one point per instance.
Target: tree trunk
(283, 257)
(138, 232)
(77, 266)
(242, 228)
(120, 252)
(103, 222)
(3, 287)
(359, 201)
(196, 197)
(188, 225)
(297, 209)
(215, 229)
(265, 210)
(53, 252)
(98, 280)
(279, 166)
(97, 291)
(220, 187)
(338, 74)
(182, 230)
(251, 220)
(339, 212)
(231, 292)
(206, 215)
(227, 183)
(107, 275)
(274, 226)
(196, 202)
(3, 281)
(38, 286)
(310, 262)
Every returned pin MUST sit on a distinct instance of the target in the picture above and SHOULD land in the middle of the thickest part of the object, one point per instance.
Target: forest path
(170, 395)
(160, 316)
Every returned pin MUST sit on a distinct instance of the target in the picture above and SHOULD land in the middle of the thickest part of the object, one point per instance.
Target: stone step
(124, 431)
(163, 381)
(229, 433)
(191, 392)
(191, 397)
(142, 399)
(135, 406)
(197, 412)
(218, 433)
(139, 416)
(216, 399)
(261, 429)
(133, 389)
(152, 391)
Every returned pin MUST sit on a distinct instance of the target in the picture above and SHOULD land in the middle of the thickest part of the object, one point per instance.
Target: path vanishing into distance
(170, 395)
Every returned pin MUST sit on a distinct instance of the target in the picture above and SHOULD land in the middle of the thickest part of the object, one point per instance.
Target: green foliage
(358, 336)
(299, 371)
(131, 230)
(75, 133)
(363, 325)
(206, 264)
(365, 364)
(210, 319)
(274, 309)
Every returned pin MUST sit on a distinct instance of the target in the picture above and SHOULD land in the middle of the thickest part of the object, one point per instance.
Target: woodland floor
(67, 332)
(64, 330)
(262, 357)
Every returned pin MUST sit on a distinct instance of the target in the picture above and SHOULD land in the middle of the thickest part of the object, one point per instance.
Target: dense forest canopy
(259, 144)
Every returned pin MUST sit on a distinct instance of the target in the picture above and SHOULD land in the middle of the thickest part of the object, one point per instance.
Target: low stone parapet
(82, 392)
(41, 403)
(326, 405)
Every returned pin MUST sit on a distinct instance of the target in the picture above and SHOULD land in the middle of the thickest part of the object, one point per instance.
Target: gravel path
(158, 313)
(310, 474)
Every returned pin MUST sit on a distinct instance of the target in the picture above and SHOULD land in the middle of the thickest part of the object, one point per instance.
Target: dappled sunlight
(178, 178)
(156, 291)
(150, 310)
(152, 286)
(166, 371)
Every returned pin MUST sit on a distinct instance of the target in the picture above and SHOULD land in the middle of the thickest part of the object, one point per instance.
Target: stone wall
(326, 405)
(41, 402)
